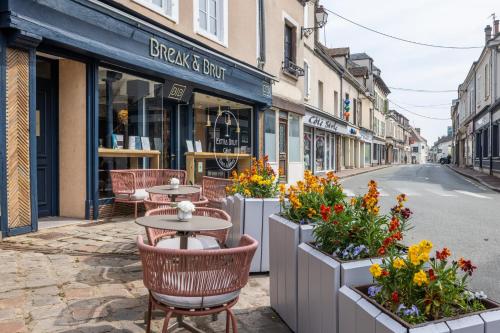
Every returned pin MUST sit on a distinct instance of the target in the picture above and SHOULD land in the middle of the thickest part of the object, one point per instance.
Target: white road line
(382, 192)
(473, 194)
(349, 193)
(442, 193)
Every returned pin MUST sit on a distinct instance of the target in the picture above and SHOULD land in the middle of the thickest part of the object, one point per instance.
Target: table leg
(184, 241)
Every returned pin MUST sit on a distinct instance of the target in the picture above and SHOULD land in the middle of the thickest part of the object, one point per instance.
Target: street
(449, 210)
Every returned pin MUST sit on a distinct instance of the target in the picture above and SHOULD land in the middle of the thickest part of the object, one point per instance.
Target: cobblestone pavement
(88, 278)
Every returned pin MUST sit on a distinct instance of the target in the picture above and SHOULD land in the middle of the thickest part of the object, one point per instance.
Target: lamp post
(321, 17)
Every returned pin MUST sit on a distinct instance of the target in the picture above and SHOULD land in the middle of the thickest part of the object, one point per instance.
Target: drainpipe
(262, 35)
(490, 132)
(342, 145)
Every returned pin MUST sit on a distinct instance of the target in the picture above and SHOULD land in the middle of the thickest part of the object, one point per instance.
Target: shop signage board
(324, 123)
(366, 136)
(483, 121)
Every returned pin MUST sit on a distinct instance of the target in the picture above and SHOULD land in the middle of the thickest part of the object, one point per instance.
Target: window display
(320, 151)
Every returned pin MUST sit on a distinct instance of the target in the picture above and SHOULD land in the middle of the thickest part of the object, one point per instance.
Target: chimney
(417, 130)
(495, 27)
(487, 33)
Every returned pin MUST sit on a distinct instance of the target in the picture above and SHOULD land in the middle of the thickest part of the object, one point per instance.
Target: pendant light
(209, 123)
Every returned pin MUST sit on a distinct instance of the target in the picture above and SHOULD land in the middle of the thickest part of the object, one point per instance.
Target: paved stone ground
(88, 278)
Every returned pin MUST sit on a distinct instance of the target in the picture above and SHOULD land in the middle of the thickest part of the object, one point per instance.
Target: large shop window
(220, 125)
(485, 142)
(270, 134)
(293, 138)
(308, 147)
(320, 143)
(494, 141)
(368, 147)
(134, 125)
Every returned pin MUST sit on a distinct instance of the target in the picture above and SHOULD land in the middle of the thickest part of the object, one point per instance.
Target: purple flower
(408, 312)
(374, 290)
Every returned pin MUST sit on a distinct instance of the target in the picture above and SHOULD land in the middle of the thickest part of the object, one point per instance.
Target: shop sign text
(185, 59)
(322, 123)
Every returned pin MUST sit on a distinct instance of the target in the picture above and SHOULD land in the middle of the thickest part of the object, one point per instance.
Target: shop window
(495, 147)
(270, 134)
(168, 8)
(211, 18)
(367, 153)
(478, 145)
(332, 152)
(132, 117)
(308, 147)
(485, 142)
(319, 157)
(293, 138)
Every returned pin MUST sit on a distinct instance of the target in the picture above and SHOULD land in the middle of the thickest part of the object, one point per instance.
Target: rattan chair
(220, 236)
(214, 189)
(195, 282)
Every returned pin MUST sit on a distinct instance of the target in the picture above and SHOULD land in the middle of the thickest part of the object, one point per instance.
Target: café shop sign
(185, 59)
(323, 123)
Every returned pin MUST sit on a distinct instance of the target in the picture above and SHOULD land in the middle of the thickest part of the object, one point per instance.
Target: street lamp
(321, 17)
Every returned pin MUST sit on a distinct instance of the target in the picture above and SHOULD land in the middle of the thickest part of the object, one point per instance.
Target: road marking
(408, 192)
(473, 194)
(382, 192)
(441, 193)
(349, 193)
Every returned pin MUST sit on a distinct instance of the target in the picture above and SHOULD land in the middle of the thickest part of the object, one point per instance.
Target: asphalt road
(449, 210)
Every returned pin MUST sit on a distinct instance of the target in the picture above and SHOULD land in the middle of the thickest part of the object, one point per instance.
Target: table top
(181, 190)
(196, 223)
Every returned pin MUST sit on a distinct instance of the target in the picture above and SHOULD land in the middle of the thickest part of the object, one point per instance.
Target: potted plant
(417, 293)
(300, 210)
(253, 196)
(185, 210)
(349, 237)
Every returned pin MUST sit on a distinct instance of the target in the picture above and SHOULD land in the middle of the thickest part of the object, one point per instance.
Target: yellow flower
(414, 254)
(420, 278)
(398, 263)
(247, 192)
(311, 213)
(256, 178)
(376, 270)
(353, 201)
(282, 188)
(425, 246)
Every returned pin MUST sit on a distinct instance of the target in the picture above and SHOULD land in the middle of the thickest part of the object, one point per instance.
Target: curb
(480, 181)
(366, 171)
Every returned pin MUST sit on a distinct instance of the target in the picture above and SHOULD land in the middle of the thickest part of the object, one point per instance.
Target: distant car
(445, 160)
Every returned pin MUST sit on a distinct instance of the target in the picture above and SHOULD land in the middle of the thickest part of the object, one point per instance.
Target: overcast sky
(446, 22)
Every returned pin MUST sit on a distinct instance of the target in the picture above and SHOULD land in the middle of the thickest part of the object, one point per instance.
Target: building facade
(397, 140)
(91, 86)
(419, 149)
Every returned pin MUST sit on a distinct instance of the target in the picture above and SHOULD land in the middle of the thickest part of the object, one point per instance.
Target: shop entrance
(46, 136)
(283, 148)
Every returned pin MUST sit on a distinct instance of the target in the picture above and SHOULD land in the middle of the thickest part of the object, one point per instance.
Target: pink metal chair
(214, 189)
(155, 235)
(195, 282)
(129, 186)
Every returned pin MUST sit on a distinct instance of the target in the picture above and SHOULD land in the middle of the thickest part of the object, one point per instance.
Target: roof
(359, 71)
(417, 136)
(338, 51)
(381, 84)
(443, 139)
(360, 56)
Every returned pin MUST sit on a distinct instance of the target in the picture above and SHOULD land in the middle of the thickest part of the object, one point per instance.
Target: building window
(486, 82)
(320, 143)
(494, 147)
(478, 145)
(336, 103)
(270, 135)
(289, 55)
(293, 138)
(307, 80)
(211, 17)
(485, 143)
(414, 149)
(308, 147)
(168, 8)
(320, 95)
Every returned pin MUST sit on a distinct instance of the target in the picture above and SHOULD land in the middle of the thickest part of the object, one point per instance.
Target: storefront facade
(92, 88)
(366, 138)
(482, 142)
(323, 140)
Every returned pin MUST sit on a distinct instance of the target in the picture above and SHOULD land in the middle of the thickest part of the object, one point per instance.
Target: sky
(445, 22)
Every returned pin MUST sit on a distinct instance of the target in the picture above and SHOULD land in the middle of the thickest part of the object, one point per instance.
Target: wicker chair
(195, 282)
(220, 236)
(214, 189)
(129, 186)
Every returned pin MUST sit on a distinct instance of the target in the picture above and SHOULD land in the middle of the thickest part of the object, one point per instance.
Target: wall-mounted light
(321, 17)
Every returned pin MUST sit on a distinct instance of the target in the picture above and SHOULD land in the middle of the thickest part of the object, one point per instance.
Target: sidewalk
(354, 172)
(491, 182)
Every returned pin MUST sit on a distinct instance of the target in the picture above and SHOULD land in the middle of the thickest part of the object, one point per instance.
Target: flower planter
(320, 278)
(358, 313)
(284, 239)
(250, 216)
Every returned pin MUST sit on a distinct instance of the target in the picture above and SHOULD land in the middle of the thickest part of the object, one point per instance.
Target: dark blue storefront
(114, 43)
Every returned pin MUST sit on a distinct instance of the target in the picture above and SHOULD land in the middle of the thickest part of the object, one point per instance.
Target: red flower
(445, 253)
(397, 235)
(381, 251)
(395, 297)
(325, 212)
(335, 222)
(466, 266)
(432, 276)
(405, 213)
(388, 241)
(385, 272)
(394, 224)
(338, 208)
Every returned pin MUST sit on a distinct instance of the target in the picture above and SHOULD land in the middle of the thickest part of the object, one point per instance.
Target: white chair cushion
(139, 194)
(208, 242)
(201, 242)
(195, 302)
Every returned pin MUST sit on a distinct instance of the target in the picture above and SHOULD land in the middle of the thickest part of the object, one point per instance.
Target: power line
(417, 114)
(423, 90)
(440, 106)
(403, 39)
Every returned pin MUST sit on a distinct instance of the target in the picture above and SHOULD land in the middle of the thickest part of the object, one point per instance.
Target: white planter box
(320, 278)
(359, 315)
(284, 239)
(250, 216)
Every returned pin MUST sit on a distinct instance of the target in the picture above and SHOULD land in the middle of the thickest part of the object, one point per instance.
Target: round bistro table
(172, 193)
(184, 229)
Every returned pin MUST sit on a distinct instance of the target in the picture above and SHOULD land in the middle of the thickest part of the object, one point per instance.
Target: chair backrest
(214, 189)
(128, 180)
(122, 181)
(196, 273)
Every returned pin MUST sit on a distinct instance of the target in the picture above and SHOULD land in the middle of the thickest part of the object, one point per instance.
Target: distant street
(449, 210)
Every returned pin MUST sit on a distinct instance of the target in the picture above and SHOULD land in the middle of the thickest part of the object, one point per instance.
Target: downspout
(262, 35)
(490, 148)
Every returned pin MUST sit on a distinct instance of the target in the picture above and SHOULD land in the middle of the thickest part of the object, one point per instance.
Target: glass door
(283, 149)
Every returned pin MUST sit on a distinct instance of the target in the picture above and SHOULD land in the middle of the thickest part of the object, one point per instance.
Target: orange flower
(338, 208)
(443, 254)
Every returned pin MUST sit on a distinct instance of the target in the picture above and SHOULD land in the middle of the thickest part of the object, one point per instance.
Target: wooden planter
(250, 216)
(319, 280)
(284, 239)
(359, 313)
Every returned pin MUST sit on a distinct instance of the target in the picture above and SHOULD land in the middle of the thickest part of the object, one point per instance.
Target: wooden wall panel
(18, 139)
